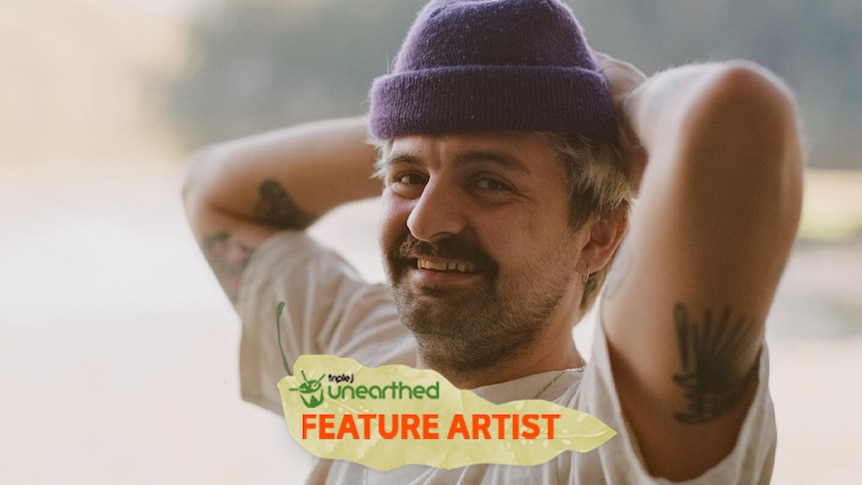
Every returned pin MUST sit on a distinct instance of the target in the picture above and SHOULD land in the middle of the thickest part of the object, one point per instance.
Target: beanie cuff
(478, 98)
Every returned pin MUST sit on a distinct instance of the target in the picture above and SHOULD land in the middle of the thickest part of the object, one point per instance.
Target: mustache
(451, 247)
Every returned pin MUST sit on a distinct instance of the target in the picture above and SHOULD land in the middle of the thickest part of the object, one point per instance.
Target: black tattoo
(228, 258)
(276, 207)
(711, 354)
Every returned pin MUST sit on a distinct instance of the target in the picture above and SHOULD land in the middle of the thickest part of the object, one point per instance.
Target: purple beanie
(477, 65)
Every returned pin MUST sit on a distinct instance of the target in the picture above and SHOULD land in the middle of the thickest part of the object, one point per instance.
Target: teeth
(447, 266)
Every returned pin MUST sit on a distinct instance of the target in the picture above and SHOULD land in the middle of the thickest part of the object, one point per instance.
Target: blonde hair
(600, 185)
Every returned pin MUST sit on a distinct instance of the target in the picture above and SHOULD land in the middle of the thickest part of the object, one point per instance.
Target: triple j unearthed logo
(340, 385)
(311, 391)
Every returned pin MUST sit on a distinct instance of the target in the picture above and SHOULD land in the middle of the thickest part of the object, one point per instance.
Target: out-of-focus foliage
(259, 65)
(263, 64)
(816, 46)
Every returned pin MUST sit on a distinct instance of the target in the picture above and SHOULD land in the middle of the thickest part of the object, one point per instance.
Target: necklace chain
(549, 384)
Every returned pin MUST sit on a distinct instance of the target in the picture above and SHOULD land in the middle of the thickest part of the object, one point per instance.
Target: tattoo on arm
(228, 254)
(228, 258)
(711, 354)
(276, 207)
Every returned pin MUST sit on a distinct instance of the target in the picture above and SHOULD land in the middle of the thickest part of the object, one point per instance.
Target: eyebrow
(400, 159)
(467, 158)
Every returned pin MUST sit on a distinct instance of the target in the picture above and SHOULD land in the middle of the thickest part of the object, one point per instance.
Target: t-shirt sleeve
(750, 462)
(329, 309)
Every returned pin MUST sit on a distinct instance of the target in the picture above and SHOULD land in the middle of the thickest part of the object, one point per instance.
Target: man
(508, 153)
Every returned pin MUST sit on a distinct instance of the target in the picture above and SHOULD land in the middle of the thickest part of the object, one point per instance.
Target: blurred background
(118, 360)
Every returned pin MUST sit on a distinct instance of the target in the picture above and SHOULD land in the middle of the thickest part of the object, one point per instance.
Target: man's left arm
(719, 205)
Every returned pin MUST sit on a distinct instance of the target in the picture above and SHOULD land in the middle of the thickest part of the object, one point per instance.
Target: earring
(586, 276)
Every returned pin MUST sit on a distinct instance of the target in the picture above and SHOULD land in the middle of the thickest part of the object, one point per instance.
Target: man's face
(477, 245)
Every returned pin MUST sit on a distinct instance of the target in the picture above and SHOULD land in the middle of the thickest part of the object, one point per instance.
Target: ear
(605, 235)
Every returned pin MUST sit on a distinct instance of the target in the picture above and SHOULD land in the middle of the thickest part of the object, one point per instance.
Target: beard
(462, 329)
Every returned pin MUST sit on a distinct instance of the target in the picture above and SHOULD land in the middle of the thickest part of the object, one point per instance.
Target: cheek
(535, 246)
(393, 219)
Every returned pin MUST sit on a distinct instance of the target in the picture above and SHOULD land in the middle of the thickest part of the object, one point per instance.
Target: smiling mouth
(449, 266)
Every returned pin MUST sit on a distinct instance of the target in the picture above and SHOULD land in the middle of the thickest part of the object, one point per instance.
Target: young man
(508, 153)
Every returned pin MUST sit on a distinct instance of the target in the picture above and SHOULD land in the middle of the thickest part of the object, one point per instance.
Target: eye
(492, 185)
(408, 184)
(410, 179)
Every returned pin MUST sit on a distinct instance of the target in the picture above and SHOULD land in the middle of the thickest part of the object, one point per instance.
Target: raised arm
(718, 210)
(237, 194)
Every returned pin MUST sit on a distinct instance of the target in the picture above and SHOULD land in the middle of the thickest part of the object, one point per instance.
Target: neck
(543, 356)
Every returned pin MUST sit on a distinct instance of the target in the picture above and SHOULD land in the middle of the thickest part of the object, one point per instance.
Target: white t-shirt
(331, 310)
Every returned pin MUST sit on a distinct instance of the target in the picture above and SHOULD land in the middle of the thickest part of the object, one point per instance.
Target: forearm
(238, 194)
(286, 178)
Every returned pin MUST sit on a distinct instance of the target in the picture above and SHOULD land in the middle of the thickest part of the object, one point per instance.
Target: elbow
(746, 124)
(192, 174)
(749, 107)
(744, 138)
(197, 184)
(198, 166)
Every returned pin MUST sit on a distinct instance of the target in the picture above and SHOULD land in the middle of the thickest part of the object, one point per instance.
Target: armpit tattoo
(228, 258)
(276, 207)
(710, 352)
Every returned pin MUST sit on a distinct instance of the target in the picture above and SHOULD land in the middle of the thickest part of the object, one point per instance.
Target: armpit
(713, 354)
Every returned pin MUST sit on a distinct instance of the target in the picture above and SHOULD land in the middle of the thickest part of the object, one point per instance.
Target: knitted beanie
(478, 65)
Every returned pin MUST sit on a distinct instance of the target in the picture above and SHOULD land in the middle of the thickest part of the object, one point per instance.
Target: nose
(437, 213)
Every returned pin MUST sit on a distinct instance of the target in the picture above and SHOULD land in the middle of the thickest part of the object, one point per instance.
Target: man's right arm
(238, 194)
(716, 218)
